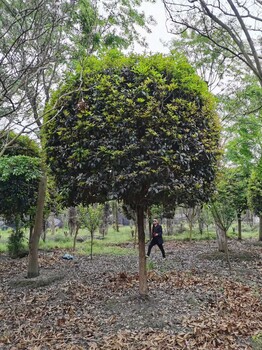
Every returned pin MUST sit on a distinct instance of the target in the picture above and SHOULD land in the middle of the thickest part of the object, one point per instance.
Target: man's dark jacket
(157, 229)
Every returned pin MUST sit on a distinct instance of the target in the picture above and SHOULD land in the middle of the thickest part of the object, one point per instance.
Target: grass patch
(196, 236)
(257, 342)
(114, 243)
(3, 247)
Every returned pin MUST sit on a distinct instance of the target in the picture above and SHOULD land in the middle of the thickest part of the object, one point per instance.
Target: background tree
(146, 134)
(243, 130)
(104, 224)
(90, 218)
(230, 199)
(239, 180)
(234, 27)
(255, 194)
(19, 176)
(191, 214)
(205, 218)
(214, 65)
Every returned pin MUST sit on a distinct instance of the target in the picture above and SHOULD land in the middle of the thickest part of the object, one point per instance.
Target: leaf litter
(195, 302)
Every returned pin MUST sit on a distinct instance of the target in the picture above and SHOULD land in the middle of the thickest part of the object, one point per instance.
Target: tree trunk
(135, 235)
(222, 243)
(75, 236)
(143, 287)
(200, 226)
(239, 227)
(190, 230)
(103, 227)
(91, 245)
(115, 215)
(52, 222)
(221, 239)
(260, 228)
(33, 267)
(149, 222)
(72, 219)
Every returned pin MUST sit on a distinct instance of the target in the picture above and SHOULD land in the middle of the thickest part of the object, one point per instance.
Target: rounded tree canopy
(18, 144)
(140, 128)
(19, 177)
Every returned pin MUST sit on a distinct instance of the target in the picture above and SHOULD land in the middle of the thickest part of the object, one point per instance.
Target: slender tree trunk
(103, 227)
(200, 226)
(190, 230)
(115, 215)
(239, 226)
(72, 219)
(91, 243)
(149, 222)
(143, 287)
(33, 267)
(222, 243)
(75, 236)
(52, 222)
(135, 235)
(260, 228)
(221, 239)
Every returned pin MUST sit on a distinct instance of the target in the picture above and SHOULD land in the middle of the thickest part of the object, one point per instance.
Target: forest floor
(195, 301)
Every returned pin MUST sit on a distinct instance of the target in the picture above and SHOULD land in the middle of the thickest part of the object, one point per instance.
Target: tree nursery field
(195, 301)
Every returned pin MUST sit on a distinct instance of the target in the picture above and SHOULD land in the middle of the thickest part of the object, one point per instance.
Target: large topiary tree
(139, 129)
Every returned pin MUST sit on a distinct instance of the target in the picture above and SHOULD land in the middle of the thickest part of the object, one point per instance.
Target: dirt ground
(195, 301)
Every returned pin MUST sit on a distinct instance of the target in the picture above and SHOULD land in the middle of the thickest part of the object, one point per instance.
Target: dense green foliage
(19, 176)
(140, 129)
(16, 244)
(20, 145)
(230, 198)
(255, 190)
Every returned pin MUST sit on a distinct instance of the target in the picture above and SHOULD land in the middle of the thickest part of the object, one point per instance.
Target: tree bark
(75, 236)
(221, 239)
(72, 219)
(115, 215)
(33, 266)
(222, 243)
(260, 228)
(239, 226)
(143, 287)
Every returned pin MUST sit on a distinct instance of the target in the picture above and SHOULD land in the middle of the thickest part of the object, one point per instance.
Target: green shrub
(15, 244)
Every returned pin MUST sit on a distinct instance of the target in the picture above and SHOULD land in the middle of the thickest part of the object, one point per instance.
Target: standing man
(157, 239)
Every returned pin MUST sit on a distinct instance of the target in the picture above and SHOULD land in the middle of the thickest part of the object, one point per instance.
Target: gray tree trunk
(72, 220)
(222, 243)
(239, 226)
(221, 239)
(143, 287)
(260, 228)
(33, 266)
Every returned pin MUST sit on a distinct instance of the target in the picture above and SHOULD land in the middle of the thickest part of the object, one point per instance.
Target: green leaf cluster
(255, 189)
(19, 145)
(230, 197)
(19, 176)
